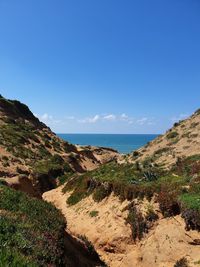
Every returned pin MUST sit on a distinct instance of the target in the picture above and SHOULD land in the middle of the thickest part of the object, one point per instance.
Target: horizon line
(116, 133)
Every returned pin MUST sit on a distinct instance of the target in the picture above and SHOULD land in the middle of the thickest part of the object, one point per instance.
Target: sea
(123, 143)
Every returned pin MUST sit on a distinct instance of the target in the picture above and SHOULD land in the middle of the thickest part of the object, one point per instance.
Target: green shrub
(14, 259)
(137, 222)
(182, 263)
(151, 216)
(30, 229)
(197, 112)
(172, 135)
(75, 197)
(168, 203)
(101, 192)
(136, 154)
(94, 213)
(190, 208)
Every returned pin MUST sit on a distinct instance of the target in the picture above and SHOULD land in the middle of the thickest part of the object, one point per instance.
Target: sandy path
(166, 243)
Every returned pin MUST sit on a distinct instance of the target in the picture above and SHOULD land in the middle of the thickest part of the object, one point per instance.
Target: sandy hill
(32, 155)
(139, 210)
(144, 209)
(182, 140)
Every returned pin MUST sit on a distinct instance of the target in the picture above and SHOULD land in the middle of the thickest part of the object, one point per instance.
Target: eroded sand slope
(165, 243)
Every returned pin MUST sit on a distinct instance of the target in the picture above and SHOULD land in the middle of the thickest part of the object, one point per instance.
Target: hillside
(182, 140)
(33, 159)
(32, 233)
(32, 156)
(141, 210)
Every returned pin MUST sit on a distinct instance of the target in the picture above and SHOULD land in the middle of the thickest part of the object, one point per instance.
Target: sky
(102, 66)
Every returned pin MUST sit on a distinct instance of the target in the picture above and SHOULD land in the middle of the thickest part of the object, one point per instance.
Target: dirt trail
(166, 243)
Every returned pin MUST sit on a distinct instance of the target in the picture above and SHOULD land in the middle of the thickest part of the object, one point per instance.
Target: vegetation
(54, 164)
(181, 263)
(126, 181)
(138, 223)
(31, 231)
(94, 213)
(144, 179)
(172, 135)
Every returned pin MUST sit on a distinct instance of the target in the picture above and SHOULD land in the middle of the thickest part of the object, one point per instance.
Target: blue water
(124, 143)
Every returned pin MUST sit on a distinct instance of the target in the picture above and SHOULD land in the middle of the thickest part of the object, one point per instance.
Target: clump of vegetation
(172, 135)
(197, 112)
(81, 188)
(12, 258)
(75, 197)
(54, 166)
(101, 192)
(94, 213)
(151, 216)
(190, 206)
(183, 262)
(138, 223)
(176, 124)
(65, 177)
(194, 124)
(31, 231)
(161, 151)
(136, 154)
(168, 203)
(126, 181)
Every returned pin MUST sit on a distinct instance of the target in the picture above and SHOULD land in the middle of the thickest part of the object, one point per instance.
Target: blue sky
(102, 66)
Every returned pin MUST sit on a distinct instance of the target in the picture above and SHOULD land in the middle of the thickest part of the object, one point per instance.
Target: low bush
(168, 203)
(31, 231)
(94, 213)
(172, 135)
(151, 216)
(101, 192)
(190, 208)
(183, 262)
(138, 223)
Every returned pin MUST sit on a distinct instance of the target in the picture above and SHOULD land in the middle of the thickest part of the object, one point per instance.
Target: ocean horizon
(123, 143)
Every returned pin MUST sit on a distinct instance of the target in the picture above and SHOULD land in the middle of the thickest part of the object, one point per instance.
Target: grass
(94, 213)
(12, 258)
(126, 181)
(53, 164)
(31, 231)
(190, 201)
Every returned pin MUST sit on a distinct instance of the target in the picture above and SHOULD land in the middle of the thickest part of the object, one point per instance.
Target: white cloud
(142, 121)
(70, 118)
(90, 119)
(123, 116)
(94, 119)
(120, 120)
(46, 117)
(179, 117)
(109, 117)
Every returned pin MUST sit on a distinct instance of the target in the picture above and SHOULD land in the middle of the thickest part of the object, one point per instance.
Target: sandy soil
(187, 143)
(165, 243)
